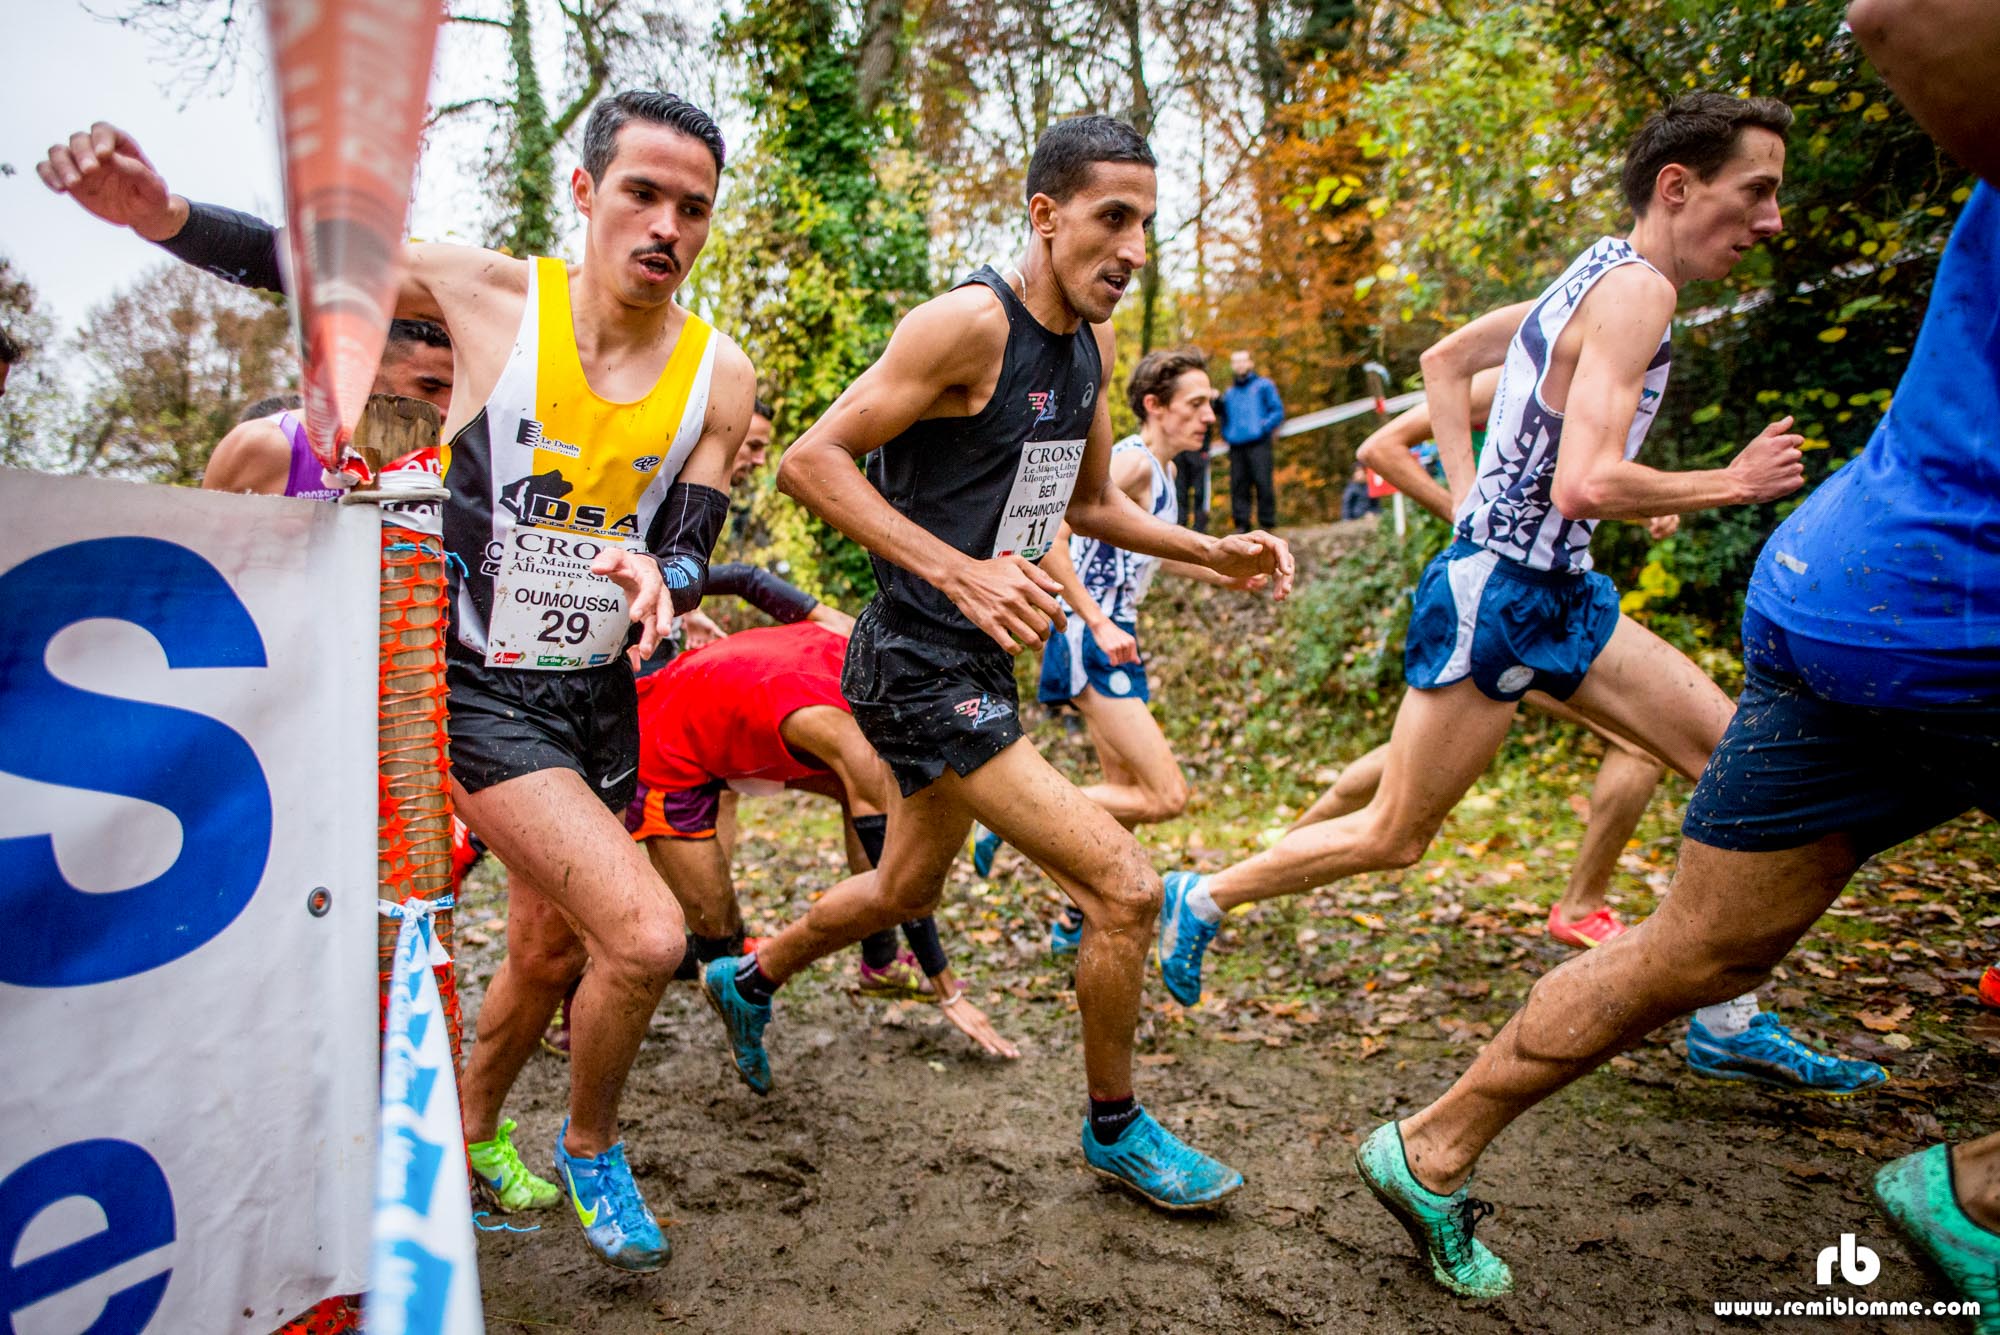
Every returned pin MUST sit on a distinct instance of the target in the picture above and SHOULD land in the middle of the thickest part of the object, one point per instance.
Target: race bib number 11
(1035, 505)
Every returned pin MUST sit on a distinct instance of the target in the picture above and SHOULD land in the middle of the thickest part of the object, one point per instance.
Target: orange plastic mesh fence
(414, 847)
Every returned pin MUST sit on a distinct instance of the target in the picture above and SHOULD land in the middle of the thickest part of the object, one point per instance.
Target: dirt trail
(895, 1181)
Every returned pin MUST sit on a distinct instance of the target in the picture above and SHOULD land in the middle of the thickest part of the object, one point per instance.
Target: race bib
(549, 611)
(1042, 483)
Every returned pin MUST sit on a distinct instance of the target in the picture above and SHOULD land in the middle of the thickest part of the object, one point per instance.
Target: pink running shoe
(898, 979)
(1989, 986)
(1593, 929)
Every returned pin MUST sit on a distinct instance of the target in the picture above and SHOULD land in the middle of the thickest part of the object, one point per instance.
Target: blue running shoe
(985, 847)
(1149, 1159)
(1065, 938)
(1767, 1054)
(743, 1018)
(1184, 939)
(1440, 1226)
(616, 1222)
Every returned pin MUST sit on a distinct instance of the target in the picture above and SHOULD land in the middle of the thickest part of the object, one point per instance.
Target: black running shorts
(506, 723)
(1794, 768)
(926, 700)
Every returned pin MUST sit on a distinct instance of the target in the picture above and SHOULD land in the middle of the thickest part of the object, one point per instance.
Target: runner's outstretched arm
(943, 352)
(1449, 366)
(1942, 58)
(1099, 509)
(1118, 646)
(1388, 450)
(1623, 320)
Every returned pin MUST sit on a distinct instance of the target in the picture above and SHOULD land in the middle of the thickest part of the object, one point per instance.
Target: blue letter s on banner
(201, 770)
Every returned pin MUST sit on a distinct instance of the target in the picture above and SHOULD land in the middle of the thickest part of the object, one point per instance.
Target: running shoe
(1916, 1193)
(616, 1222)
(1592, 929)
(985, 847)
(1184, 939)
(503, 1179)
(743, 1018)
(1155, 1163)
(898, 980)
(1989, 986)
(1440, 1226)
(1767, 1054)
(1065, 937)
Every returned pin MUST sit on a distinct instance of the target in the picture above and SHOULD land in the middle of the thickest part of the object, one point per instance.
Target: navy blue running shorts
(1795, 768)
(1509, 627)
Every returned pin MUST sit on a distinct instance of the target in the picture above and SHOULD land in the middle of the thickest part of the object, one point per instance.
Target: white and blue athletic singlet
(1116, 578)
(1509, 511)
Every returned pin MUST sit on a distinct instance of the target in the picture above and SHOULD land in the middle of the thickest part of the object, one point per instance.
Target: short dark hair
(1699, 131)
(429, 333)
(1156, 373)
(277, 403)
(764, 410)
(608, 117)
(1068, 150)
(11, 348)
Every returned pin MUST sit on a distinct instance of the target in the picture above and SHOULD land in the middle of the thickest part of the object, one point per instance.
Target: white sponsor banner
(426, 1275)
(187, 906)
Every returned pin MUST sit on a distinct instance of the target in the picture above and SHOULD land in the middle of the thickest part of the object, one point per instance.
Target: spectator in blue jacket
(1251, 411)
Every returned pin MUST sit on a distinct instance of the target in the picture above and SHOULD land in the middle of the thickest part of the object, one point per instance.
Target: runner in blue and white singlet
(1509, 511)
(1116, 581)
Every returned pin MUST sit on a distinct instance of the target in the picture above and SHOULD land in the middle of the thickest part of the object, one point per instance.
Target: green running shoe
(1916, 1193)
(1440, 1226)
(503, 1179)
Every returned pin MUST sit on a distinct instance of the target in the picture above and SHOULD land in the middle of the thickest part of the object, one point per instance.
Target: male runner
(988, 410)
(269, 454)
(1731, 1040)
(590, 441)
(1514, 603)
(1094, 663)
(1870, 713)
(761, 710)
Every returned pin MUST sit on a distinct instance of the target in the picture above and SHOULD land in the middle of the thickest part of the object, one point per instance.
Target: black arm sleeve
(235, 246)
(690, 521)
(922, 934)
(777, 599)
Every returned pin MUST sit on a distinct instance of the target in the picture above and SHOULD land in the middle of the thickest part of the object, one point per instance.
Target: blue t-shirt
(1898, 553)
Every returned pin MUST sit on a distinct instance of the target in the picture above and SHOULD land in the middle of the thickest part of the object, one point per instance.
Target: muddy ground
(896, 1181)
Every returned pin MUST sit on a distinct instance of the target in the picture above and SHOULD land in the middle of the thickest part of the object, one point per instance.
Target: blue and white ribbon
(423, 1279)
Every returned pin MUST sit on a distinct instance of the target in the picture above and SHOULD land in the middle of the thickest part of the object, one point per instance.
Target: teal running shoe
(1916, 1193)
(1184, 939)
(616, 1222)
(743, 1018)
(1767, 1054)
(985, 847)
(1155, 1163)
(1065, 937)
(1440, 1226)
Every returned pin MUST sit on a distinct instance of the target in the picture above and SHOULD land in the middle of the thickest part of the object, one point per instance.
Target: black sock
(701, 949)
(753, 984)
(879, 951)
(1072, 917)
(1110, 1117)
(872, 830)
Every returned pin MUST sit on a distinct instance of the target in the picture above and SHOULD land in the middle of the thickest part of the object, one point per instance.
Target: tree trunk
(531, 164)
(879, 53)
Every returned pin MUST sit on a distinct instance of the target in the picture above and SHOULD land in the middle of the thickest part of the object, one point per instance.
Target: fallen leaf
(1883, 1022)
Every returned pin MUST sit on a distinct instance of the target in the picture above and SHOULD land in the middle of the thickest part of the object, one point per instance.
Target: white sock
(1203, 903)
(1726, 1019)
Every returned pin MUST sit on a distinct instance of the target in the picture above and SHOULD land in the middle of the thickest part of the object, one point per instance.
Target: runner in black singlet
(988, 410)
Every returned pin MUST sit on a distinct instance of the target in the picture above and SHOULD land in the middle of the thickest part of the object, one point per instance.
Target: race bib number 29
(549, 611)
(1035, 505)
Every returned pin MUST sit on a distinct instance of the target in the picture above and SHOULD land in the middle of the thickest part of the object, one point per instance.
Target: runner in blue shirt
(1870, 713)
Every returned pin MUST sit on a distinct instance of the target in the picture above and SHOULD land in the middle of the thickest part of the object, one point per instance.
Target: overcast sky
(61, 69)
